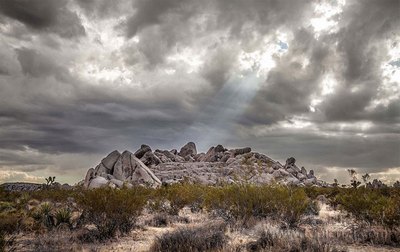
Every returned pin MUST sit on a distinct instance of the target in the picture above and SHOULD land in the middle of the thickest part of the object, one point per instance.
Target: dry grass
(194, 239)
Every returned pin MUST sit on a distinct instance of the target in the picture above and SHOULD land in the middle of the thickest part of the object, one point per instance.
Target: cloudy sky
(318, 80)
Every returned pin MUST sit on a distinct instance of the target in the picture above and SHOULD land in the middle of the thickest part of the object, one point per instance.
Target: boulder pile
(117, 170)
(218, 165)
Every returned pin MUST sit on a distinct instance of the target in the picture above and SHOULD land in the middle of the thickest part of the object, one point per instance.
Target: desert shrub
(329, 192)
(372, 205)
(312, 208)
(113, 210)
(206, 238)
(8, 196)
(22, 200)
(9, 225)
(234, 202)
(63, 215)
(284, 241)
(6, 206)
(54, 194)
(159, 220)
(44, 215)
(58, 240)
(172, 198)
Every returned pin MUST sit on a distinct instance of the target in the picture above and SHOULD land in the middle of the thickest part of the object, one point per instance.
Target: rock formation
(218, 165)
(117, 170)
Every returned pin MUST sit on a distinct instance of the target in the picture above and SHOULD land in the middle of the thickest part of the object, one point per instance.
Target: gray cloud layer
(81, 78)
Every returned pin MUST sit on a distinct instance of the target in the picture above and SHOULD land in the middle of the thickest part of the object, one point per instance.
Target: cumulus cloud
(18, 176)
(317, 80)
(44, 15)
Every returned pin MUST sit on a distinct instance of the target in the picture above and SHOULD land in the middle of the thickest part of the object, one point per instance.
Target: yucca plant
(63, 215)
(44, 215)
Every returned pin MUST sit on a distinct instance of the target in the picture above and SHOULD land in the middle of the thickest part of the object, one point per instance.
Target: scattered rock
(188, 149)
(149, 158)
(290, 161)
(143, 150)
(97, 182)
(311, 174)
(241, 151)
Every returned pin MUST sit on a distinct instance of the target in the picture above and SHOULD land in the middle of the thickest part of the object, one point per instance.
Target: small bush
(63, 215)
(312, 208)
(113, 210)
(281, 241)
(44, 215)
(56, 241)
(178, 196)
(207, 238)
(159, 220)
(240, 202)
(9, 225)
(372, 205)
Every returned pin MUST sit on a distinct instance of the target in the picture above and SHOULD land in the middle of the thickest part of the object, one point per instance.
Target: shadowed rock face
(127, 170)
(188, 150)
(218, 165)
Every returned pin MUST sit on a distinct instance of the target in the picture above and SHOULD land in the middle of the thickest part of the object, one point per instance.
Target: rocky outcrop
(215, 154)
(21, 186)
(218, 165)
(126, 170)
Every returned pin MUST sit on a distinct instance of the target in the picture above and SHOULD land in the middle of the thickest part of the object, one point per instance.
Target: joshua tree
(365, 177)
(50, 180)
(353, 175)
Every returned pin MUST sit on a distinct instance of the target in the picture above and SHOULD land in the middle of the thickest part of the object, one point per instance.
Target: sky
(317, 80)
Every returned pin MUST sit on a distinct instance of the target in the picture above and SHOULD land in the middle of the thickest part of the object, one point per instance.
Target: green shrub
(234, 202)
(173, 198)
(63, 215)
(44, 215)
(113, 210)
(207, 238)
(372, 205)
(6, 206)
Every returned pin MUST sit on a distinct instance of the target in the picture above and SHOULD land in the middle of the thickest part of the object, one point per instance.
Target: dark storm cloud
(44, 15)
(37, 65)
(364, 25)
(166, 24)
(63, 115)
(284, 95)
(371, 154)
(180, 78)
(103, 8)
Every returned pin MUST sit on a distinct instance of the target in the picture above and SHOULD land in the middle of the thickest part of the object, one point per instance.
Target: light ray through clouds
(225, 107)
